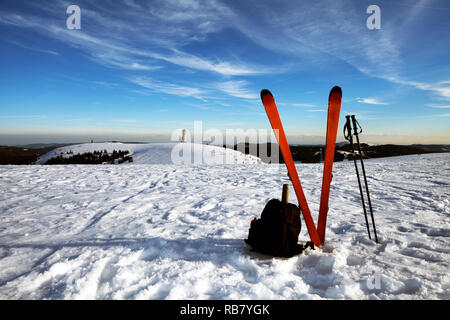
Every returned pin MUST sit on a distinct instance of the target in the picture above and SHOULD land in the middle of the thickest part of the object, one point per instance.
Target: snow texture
(165, 231)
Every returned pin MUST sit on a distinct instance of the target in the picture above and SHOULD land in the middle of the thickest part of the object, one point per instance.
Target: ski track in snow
(176, 232)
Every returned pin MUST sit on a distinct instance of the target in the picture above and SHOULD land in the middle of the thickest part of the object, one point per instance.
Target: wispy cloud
(26, 46)
(304, 105)
(121, 61)
(168, 88)
(361, 115)
(106, 84)
(221, 67)
(339, 34)
(114, 42)
(162, 33)
(440, 89)
(237, 89)
(436, 106)
(371, 101)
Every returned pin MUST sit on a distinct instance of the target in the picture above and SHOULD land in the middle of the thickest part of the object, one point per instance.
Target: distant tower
(183, 137)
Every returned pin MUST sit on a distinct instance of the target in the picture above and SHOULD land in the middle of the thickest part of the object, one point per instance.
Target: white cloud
(221, 67)
(304, 105)
(371, 101)
(106, 84)
(237, 89)
(114, 42)
(435, 106)
(441, 89)
(162, 29)
(111, 59)
(314, 32)
(26, 46)
(294, 29)
(168, 88)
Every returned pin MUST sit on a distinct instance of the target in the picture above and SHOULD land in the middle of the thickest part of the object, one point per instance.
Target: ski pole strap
(357, 129)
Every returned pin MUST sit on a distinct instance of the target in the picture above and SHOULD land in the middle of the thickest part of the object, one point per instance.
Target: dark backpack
(276, 233)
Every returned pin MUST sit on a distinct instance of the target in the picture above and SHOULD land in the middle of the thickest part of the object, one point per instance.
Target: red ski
(334, 108)
(274, 118)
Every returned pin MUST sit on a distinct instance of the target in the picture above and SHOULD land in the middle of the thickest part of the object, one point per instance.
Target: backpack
(276, 232)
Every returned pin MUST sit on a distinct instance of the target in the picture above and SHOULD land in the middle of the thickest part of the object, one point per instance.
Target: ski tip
(265, 92)
(336, 89)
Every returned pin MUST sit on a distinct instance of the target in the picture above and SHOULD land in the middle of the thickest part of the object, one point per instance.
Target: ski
(334, 108)
(275, 121)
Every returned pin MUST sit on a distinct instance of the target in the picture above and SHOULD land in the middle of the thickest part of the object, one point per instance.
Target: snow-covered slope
(161, 153)
(176, 232)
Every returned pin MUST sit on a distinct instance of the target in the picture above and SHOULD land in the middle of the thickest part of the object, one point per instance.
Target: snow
(160, 153)
(166, 231)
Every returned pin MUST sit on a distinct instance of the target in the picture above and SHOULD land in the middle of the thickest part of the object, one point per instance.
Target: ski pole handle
(355, 126)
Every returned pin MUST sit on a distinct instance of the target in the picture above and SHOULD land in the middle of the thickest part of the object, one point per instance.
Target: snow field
(150, 231)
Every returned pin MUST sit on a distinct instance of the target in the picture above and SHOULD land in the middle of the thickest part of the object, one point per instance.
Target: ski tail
(275, 121)
(334, 108)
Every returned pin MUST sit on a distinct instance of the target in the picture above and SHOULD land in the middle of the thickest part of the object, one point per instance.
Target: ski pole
(348, 136)
(355, 130)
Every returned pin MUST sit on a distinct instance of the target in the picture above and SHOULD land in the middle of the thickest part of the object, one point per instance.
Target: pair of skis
(317, 235)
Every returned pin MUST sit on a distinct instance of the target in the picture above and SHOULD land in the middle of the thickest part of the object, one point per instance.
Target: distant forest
(96, 157)
(22, 155)
(316, 153)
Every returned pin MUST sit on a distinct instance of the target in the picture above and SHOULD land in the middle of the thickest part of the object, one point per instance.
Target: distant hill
(29, 154)
(433, 147)
(154, 153)
(300, 153)
(392, 150)
(315, 153)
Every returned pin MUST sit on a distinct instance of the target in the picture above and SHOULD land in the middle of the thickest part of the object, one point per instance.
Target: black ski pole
(348, 136)
(355, 130)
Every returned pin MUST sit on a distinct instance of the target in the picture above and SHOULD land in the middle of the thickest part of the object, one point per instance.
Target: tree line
(96, 157)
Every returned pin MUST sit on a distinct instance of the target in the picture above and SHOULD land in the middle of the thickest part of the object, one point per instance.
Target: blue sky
(137, 70)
